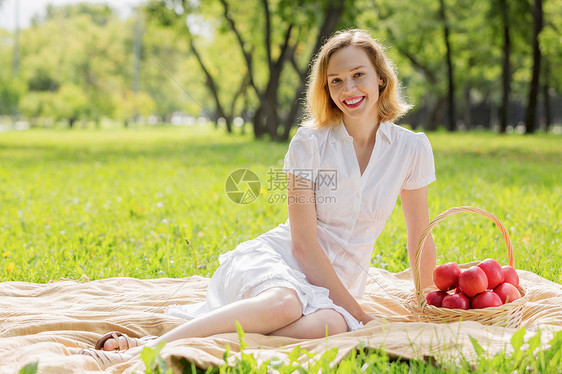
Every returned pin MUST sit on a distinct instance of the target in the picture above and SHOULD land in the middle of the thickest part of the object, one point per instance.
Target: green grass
(121, 202)
(524, 359)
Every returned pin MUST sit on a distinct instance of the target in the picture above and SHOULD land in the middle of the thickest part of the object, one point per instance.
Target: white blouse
(353, 208)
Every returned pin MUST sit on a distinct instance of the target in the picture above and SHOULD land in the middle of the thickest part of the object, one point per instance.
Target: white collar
(339, 133)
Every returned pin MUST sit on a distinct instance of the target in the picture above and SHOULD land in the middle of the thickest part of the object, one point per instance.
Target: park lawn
(105, 203)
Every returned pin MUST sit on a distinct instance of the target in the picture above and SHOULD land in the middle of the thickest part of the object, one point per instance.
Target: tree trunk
(545, 96)
(267, 115)
(270, 102)
(451, 124)
(506, 71)
(435, 114)
(296, 109)
(211, 85)
(258, 122)
(266, 119)
(467, 107)
(530, 122)
(332, 17)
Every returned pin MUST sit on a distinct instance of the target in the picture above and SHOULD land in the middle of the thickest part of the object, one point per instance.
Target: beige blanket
(51, 322)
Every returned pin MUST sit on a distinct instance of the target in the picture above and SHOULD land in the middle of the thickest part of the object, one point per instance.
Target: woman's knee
(330, 322)
(283, 304)
(336, 324)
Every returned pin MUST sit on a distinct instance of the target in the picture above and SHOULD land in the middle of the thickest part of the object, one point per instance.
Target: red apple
(486, 299)
(510, 275)
(456, 301)
(507, 292)
(473, 281)
(435, 298)
(493, 271)
(446, 276)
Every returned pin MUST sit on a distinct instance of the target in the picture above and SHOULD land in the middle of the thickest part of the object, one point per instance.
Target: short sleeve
(301, 159)
(422, 167)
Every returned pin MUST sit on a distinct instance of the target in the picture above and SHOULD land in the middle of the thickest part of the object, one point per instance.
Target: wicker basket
(509, 314)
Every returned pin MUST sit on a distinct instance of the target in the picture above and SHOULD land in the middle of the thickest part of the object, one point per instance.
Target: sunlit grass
(121, 202)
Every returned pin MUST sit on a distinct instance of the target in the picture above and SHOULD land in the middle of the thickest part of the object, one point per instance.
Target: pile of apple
(486, 285)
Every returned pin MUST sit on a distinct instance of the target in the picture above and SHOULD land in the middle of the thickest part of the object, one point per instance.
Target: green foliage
(98, 13)
(130, 104)
(88, 47)
(527, 357)
(413, 32)
(363, 359)
(153, 362)
(11, 92)
(70, 102)
(30, 368)
(77, 62)
(247, 363)
(551, 46)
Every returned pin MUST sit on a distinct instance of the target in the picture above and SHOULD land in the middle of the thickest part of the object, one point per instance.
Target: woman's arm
(416, 214)
(307, 249)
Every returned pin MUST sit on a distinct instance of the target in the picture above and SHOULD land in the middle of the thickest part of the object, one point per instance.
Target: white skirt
(252, 268)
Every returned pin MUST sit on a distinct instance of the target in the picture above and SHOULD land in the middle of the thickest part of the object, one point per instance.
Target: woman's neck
(363, 132)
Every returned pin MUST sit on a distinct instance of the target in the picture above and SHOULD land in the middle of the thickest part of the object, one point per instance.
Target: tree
(172, 15)
(407, 29)
(130, 105)
(36, 104)
(265, 37)
(163, 64)
(11, 91)
(79, 60)
(450, 74)
(551, 52)
(414, 33)
(267, 116)
(70, 58)
(331, 17)
(530, 121)
(100, 14)
(506, 70)
(69, 103)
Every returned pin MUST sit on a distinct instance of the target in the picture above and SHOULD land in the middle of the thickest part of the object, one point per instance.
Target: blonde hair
(322, 111)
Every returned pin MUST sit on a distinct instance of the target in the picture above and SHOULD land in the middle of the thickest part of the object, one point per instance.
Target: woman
(346, 168)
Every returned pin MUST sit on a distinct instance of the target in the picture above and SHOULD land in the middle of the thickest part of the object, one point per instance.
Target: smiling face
(354, 83)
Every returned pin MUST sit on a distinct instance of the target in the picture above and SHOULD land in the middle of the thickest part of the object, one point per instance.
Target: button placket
(356, 201)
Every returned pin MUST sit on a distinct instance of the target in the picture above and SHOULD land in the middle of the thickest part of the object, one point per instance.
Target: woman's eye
(359, 74)
(335, 80)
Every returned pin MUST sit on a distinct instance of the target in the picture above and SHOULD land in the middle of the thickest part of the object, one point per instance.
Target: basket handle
(439, 218)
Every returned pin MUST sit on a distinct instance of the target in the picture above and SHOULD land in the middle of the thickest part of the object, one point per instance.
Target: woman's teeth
(353, 101)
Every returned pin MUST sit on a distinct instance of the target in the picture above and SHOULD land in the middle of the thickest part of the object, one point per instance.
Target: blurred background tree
(463, 64)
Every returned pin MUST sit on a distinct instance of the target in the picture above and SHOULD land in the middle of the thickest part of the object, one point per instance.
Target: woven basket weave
(509, 314)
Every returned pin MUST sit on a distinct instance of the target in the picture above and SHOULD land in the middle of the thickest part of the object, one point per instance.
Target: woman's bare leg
(313, 325)
(264, 313)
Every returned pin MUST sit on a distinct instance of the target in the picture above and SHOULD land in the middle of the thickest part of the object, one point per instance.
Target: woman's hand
(365, 318)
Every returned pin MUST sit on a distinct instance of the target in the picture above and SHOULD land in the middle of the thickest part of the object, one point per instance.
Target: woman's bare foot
(117, 341)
